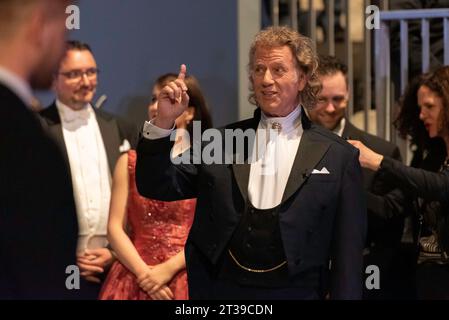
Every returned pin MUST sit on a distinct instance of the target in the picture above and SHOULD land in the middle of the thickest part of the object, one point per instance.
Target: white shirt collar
(70, 115)
(19, 86)
(340, 127)
(288, 123)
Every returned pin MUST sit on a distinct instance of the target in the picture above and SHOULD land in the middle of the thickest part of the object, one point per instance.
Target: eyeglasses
(77, 75)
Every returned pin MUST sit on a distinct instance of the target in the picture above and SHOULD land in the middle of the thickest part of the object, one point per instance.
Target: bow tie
(70, 115)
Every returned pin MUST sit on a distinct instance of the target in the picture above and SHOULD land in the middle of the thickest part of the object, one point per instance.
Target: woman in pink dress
(148, 236)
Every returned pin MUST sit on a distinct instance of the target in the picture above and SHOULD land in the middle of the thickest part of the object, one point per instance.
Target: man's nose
(330, 108)
(267, 77)
(85, 80)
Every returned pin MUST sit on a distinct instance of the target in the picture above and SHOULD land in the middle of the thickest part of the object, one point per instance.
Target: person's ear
(302, 81)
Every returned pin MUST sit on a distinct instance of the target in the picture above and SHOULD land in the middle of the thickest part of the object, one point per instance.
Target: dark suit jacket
(38, 225)
(430, 186)
(385, 203)
(322, 217)
(418, 182)
(113, 131)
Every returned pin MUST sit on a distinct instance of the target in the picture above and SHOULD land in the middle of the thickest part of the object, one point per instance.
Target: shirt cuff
(152, 132)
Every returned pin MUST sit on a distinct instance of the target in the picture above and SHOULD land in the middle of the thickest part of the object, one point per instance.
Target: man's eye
(279, 70)
(91, 72)
(338, 100)
(74, 74)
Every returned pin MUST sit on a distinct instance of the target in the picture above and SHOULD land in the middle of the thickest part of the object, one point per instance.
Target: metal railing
(295, 5)
(383, 91)
(383, 60)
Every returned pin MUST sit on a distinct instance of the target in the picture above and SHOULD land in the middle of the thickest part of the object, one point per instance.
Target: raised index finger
(182, 72)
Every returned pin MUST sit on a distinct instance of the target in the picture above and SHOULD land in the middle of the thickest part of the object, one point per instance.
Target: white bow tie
(70, 115)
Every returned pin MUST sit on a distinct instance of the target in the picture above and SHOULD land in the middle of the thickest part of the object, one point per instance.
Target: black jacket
(322, 217)
(385, 203)
(428, 185)
(113, 131)
(38, 225)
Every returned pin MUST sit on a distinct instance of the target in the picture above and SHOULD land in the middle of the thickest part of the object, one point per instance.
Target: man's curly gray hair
(305, 56)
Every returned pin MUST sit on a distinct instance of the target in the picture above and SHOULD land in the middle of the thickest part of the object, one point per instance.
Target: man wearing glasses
(92, 141)
(385, 209)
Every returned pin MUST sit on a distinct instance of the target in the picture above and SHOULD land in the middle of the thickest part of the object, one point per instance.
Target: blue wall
(137, 40)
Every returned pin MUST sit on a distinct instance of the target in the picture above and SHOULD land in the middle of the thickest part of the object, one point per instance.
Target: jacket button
(298, 262)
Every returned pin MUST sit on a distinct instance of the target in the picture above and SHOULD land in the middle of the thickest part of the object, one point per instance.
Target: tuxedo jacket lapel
(350, 132)
(308, 155)
(242, 171)
(111, 137)
(108, 130)
(53, 122)
(241, 174)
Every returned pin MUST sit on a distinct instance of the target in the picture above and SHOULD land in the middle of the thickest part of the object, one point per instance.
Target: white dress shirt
(90, 174)
(270, 169)
(17, 85)
(182, 143)
(271, 166)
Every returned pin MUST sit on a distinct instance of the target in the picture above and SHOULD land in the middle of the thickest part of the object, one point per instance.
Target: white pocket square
(125, 146)
(322, 171)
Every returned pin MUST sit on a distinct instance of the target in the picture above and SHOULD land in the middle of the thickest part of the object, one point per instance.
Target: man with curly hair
(288, 223)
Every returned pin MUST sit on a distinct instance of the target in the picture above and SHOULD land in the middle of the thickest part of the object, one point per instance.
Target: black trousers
(432, 281)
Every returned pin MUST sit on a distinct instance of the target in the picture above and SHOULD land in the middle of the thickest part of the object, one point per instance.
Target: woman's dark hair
(438, 82)
(196, 101)
(408, 122)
